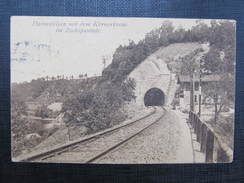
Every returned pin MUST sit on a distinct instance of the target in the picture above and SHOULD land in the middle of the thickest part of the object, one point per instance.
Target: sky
(52, 46)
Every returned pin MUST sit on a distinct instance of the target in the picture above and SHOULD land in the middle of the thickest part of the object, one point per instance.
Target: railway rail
(91, 149)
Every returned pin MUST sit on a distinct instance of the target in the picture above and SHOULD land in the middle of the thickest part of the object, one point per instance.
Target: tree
(178, 35)
(37, 87)
(100, 107)
(80, 76)
(152, 40)
(165, 33)
(222, 34)
(220, 60)
(200, 32)
(191, 63)
(19, 125)
(216, 91)
(18, 106)
(43, 112)
(212, 61)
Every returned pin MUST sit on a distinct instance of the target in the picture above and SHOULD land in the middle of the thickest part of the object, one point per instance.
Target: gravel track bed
(85, 151)
(161, 143)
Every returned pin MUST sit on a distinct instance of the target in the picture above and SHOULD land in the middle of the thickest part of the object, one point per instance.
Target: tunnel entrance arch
(154, 97)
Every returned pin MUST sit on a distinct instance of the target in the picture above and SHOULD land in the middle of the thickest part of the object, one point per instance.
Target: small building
(184, 91)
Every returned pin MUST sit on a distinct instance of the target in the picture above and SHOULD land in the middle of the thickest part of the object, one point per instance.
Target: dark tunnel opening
(154, 97)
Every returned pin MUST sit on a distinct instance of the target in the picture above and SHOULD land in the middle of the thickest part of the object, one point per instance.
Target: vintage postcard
(122, 90)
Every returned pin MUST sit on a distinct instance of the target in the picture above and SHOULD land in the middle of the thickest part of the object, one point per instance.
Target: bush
(98, 108)
(43, 112)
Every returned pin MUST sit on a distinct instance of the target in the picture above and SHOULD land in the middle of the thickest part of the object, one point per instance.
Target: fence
(211, 145)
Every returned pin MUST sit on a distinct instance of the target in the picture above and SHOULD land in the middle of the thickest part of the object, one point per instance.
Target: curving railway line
(91, 149)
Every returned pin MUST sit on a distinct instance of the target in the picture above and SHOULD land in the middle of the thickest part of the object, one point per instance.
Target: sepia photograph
(122, 90)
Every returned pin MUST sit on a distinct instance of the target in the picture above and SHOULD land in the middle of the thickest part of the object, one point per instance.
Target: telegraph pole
(200, 93)
(192, 92)
(200, 87)
(104, 60)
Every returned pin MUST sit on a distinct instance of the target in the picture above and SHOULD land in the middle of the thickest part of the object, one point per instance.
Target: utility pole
(192, 92)
(104, 62)
(200, 87)
(200, 93)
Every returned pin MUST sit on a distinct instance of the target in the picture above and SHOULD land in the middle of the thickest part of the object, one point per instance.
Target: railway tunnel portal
(154, 97)
(155, 83)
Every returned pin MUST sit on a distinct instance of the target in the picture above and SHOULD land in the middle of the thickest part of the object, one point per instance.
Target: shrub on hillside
(20, 128)
(98, 108)
(43, 112)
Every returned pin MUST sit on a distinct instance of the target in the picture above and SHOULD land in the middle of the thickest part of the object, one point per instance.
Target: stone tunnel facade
(153, 72)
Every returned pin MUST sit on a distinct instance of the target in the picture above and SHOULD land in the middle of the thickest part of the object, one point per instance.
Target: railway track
(91, 149)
